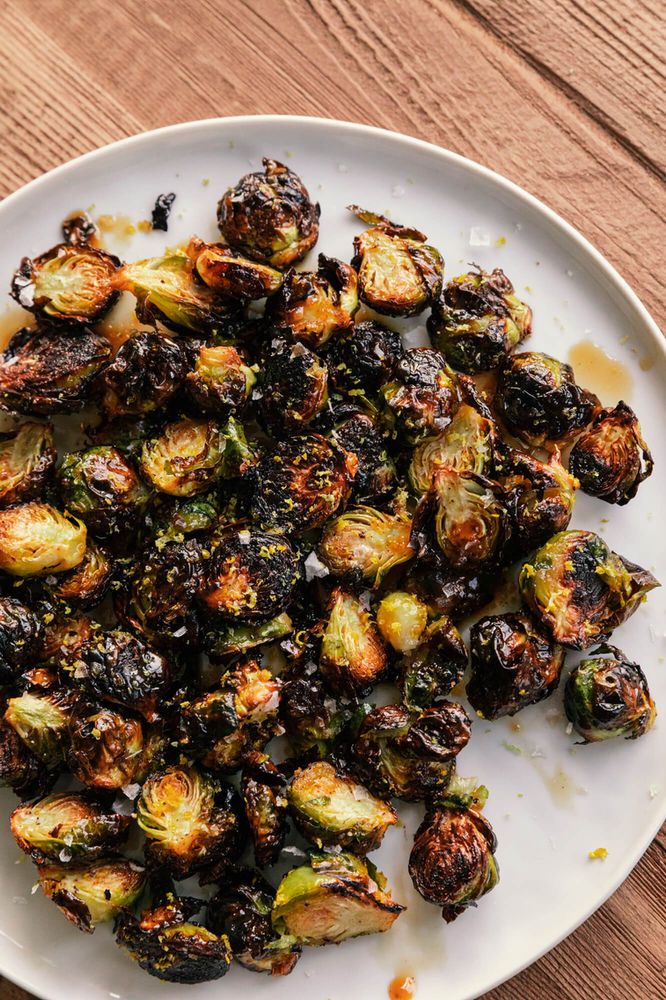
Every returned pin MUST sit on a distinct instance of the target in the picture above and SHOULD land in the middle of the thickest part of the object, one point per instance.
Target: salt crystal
(314, 567)
(478, 237)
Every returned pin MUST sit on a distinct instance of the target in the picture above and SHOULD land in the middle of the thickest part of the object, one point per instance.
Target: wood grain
(565, 97)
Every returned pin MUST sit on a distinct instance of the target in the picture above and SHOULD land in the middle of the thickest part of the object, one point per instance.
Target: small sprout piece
(230, 274)
(78, 229)
(423, 394)
(92, 892)
(221, 382)
(87, 585)
(312, 719)
(428, 673)
(106, 750)
(611, 459)
(42, 720)
(402, 619)
(315, 305)
(513, 665)
(191, 820)
(364, 357)
(468, 444)
(226, 639)
(20, 635)
(103, 488)
(160, 603)
(262, 791)
(62, 637)
(27, 460)
(161, 211)
(186, 458)
(70, 283)
(375, 478)
(479, 321)
(334, 897)
(67, 825)
(294, 386)
(145, 374)
(607, 695)
(366, 543)
(353, 656)
(579, 590)
(539, 400)
(334, 811)
(20, 768)
(50, 371)
(399, 274)
(268, 216)
(542, 498)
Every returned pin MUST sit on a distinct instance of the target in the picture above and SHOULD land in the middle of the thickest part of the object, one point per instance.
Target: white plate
(552, 803)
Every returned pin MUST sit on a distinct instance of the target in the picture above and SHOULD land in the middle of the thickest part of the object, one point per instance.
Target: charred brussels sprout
(37, 540)
(542, 498)
(423, 394)
(479, 321)
(106, 749)
(103, 488)
(468, 444)
(221, 382)
(313, 720)
(611, 459)
(67, 826)
(92, 892)
(62, 637)
(334, 811)
(300, 483)
(579, 590)
(376, 475)
(402, 619)
(353, 656)
(42, 721)
(262, 791)
(334, 897)
(87, 585)
(191, 820)
(230, 274)
(366, 543)
(410, 756)
(539, 400)
(399, 274)
(430, 671)
(49, 371)
(294, 386)
(268, 216)
(225, 638)
(447, 591)
(189, 456)
(70, 283)
(160, 603)
(20, 634)
(78, 229)
(20, 768)
(364, 357)
(607, 695)
(27, 460)
(145, 374)
(175, 519)
(513, 665)
(314, 305)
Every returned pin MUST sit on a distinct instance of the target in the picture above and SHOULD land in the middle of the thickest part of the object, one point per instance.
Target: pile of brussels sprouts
(276, 510)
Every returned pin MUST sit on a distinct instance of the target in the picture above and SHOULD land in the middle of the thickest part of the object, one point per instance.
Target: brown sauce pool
(402, 988)
(609, 378)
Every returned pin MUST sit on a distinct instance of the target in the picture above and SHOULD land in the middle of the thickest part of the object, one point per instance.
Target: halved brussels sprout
(268, 216)
(579, 590)
(375, 478)
(430, 671)
(334, 897)
(103, 488)
(366, 543)
(539, 400)
(450, 592)
(410, 756)
(399, 274)
(20, 635)
(242, 911)
(160, 602)
(353, 657)
(27, 460)
(262, 791)
(70, 283)
(92, 892)
(50, 370)
(312, 718)
(145, 374)
(402, 619)
(423, 394)
(607, 695)
(315, 305)
(468, 444)
(479, 320)
(543, 495)
(42, 721)
(513, 665)
(67, 826)
(452, 862)
(86, 585)
(300, 483)
(228, 638)
(611, 459)
(334, 811)
(104, 748)
(191, 820)
(364, 357)
(294, 385)
(221, 382)
(174, 520)
(62, 637)
(228, 273)
(20, 769)
(190, 455)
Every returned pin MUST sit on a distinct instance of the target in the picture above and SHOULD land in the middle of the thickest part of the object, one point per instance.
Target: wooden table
(561, 97)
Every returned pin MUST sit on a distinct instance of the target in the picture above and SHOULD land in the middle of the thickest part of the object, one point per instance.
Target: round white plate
(551, 801)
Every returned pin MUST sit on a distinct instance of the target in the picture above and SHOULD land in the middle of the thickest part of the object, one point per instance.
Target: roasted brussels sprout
(221, 382)
(479, 320)
(20, 768)
(191, 820)
(452, 862)
(294, 385)
(611, 459)
(353, 657)
(262, 791)
(430, 671)
(242, 911)
(542, 498)
(92, 892)
(175, 519)
(315, 305)
(399, 274)
(67, 826)
(160, 602)
(313, 720)
(42, 721)
(268, 216)
(449, 592)
(375, 478)
(366, 543)
(513, 665)
(49, 371)
(168, 946)
(423, 394)
(334, 897)
(230, 274)
(106, 749)
(579, 590)
(20, 635)
(27, 460)
(539, 400)
(607, 695)
(335, 811)
(410, 756)
(190, 455)
(227, 638)
(85, 586)
(103, 488)
(62, 637)
(300, 483)
(468, 444)
(364, 357)
(402, 619)
(70, 283)
(145, 374)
